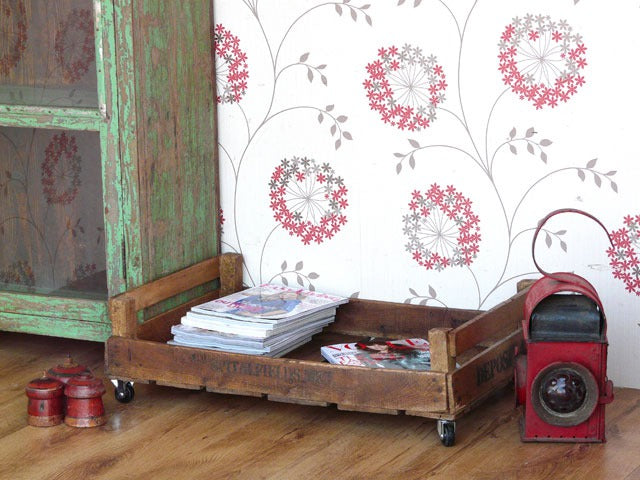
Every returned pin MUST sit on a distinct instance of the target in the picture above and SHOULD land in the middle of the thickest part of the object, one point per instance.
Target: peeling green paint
(156, 119)
(55, 326)
(54, 307)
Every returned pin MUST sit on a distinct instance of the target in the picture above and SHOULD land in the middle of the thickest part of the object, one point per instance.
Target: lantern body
(561, 380)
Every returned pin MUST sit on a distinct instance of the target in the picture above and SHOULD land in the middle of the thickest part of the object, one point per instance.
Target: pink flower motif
(13, 28)
(84, 270)
(75, 45)
(221, 219)
(405, 87)
(442, 229)
(541, 59)
(61, 170)
(18, 273)
(231, 66)
(308, 200)
(624, 256)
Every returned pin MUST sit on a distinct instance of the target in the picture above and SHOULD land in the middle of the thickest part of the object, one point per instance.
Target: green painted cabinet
(108, 169)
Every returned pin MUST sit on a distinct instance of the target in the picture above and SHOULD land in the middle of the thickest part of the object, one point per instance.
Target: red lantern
(561, 380)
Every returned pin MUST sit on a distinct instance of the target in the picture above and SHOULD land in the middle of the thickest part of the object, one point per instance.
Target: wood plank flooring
(168, 433)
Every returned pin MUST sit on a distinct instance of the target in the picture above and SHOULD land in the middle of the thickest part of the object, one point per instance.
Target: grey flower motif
(305, 204)
(414, 87)
(441, 229)
(543, 60)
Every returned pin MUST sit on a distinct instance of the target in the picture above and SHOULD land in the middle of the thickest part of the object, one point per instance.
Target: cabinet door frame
(69, 316)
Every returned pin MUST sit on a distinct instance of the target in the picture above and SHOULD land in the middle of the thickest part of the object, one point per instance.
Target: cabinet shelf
(90, 119)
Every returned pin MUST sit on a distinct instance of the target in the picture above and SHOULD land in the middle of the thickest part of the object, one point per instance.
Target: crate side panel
(395, 320)
(281, 377)
(505, 316)
(485, 372)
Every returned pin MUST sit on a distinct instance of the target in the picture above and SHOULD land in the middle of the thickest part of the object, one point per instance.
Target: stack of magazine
(268, 320)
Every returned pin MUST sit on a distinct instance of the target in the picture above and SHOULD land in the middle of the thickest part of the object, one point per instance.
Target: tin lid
(44, 387)
(84, 386)
(67, 369)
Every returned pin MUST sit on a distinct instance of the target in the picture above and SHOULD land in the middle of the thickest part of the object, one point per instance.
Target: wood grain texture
(165, 287)
(299, 380)
(55, 326)
(441, 361)
(484, 373)
(303, 376)
(155, 114)
(122, 312)
(505, 316)
(168, 433)
(395, 320)
(230, 273)
(175, 107)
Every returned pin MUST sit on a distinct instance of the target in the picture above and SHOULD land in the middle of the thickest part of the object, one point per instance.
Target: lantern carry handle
(544, 220)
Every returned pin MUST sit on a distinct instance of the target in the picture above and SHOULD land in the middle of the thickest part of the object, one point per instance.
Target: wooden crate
(472, 352)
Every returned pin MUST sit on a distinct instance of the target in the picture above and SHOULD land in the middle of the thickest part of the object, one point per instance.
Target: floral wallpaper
(405, 150)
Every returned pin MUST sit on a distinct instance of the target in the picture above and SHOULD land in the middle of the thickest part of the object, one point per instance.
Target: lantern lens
(564, 394)
(563, 391)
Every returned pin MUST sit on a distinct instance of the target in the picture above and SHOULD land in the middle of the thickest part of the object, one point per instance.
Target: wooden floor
(179, 434)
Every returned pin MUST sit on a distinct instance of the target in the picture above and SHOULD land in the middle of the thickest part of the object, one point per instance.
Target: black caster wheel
(447, 432)
(124, 392)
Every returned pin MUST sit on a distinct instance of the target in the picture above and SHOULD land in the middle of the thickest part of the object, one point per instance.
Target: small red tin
(65, 371)
(45, 407)
(84, 401)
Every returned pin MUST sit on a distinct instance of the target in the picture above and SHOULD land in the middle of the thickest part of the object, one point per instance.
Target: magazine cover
(269, 302)
(408, 354)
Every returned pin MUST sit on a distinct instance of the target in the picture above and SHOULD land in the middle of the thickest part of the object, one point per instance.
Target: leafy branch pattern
(302, 279)
(541, 61)
(49, 220)
(307, 197)
(541, 64)
(430, 298)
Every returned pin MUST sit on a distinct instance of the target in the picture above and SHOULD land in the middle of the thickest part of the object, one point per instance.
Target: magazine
(408, 354)
(211, 322)
(269, 303)
(201, 337)
(278, 352)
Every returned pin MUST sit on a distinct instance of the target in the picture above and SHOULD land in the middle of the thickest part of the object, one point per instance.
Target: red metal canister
(45, 407)
(84, 401)
(66, 370)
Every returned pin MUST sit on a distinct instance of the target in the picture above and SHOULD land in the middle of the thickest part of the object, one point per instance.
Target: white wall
(304, 89)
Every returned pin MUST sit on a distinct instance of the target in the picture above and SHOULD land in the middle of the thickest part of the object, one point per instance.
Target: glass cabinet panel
(51, 218)
(47, 53)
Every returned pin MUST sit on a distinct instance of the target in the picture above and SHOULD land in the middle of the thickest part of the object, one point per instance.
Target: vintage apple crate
(472, 353)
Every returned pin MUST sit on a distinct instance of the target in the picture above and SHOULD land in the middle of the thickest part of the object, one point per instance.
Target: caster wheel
(124, 392)
(447, 432)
